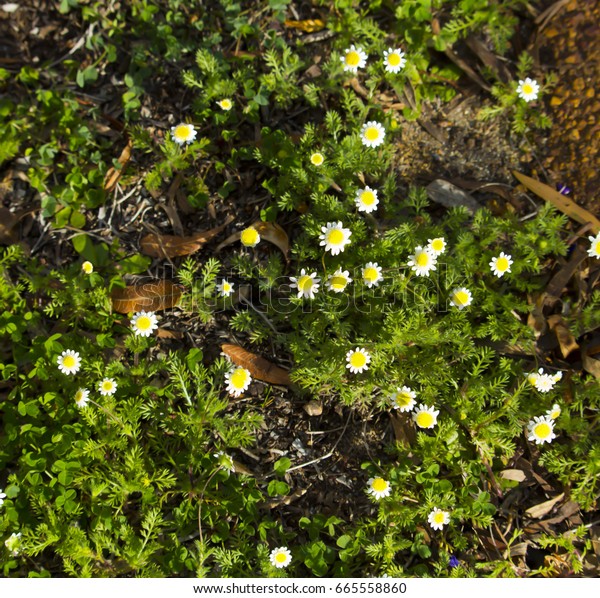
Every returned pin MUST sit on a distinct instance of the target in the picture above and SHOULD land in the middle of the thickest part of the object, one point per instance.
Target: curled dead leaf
(516, 475)
(538, 511)
(113, 174)
(566, 340)
(8, 221)
(151, 296)
(259, 367)
(559, 201)
(175, 246)
(308, 25)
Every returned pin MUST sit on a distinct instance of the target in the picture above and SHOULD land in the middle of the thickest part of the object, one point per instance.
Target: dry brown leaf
(404, 431)
(560, 280)
(566, 340)
(309, 25)
(538, 511)
(164, 333)
(8, 221)
(516, 475)
(536, 320)
(174, 246)
(259, 367)
(150, 296)
(269, 231)
(559, 201)
(590, 365)
(112, 174)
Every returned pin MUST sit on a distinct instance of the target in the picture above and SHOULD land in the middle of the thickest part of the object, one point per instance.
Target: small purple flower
(563, 189)
(453, 562)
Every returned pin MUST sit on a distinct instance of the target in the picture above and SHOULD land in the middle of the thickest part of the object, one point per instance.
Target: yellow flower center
(555, 413)
(281, 557)
(379, 485)
(305, 283)
(527, 89)
(339, 282)
(249, 237)
(143, 323)
(352, 58)
(88, 268)
(370, 274)
(367, 197)
(393, 59)
(182, 131)
(502, 264)
(335, 237)
(239, 378)
(107, 386)
(317, 159)
(372, 133)
(542, 430)
(79, 395)
(532, 378)
(226, 104)
(358, 360)
(403, 399)
(437, 245)
(424, 419)
(596, 248)
(439, 517)
(69, 361)
(461, 297)
(226, 287)
(423, 259)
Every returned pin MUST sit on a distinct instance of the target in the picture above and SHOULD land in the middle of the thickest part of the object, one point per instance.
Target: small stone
(313, 408)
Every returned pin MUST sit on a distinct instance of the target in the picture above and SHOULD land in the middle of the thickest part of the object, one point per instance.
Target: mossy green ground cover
(444, 357)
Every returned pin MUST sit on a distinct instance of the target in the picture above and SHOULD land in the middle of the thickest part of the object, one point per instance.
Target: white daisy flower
(532, 378)
(528, 89)
(87, 267)
(238, 380)
(372, 134)
(225, 288)
(371, 274)
(280, 557)
(545, 382)
(225, 104)
(353, 59)
(69, 362)
(144, 323)
(107, 387)
(425, 416)
(317, 158)
(438, 518)
(183, 133)
(554, 412)
(423, 261)
(335, 237)
(541, 429)
(358, 360)
(307, 284)
(82, 397)
(250, 237)
(436, 246)
(366, 200)
(404, 399)
(339, 280)
(393, 60)
(501, 264)
(13, 544)
(378, 488)
(594, 250)
(461, 297)
(2, 497)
